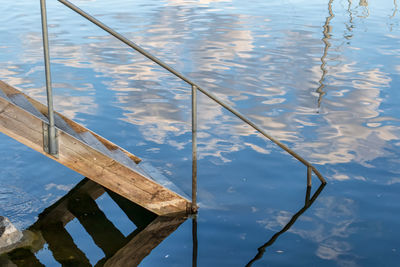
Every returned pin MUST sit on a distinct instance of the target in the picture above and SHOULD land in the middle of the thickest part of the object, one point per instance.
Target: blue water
(321, 76)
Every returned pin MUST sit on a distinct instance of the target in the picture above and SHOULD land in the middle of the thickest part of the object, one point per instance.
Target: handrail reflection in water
(194, 240)
(308, 202)
(119, 250)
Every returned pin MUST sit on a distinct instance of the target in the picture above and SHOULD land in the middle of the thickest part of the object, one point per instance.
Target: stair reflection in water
(119, 250)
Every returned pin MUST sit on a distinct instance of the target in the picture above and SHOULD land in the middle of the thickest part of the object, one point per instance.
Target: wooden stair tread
(3, 95)
(63, 125)
(21, 101)
(158, 177)
(121, 157)
(91, 140)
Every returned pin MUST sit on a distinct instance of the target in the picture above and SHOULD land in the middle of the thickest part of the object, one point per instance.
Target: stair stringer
(82, 158)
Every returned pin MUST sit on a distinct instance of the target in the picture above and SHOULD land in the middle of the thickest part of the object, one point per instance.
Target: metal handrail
(52, 147)
(195, 87)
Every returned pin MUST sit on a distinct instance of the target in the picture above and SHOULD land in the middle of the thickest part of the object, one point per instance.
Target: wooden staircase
(25, 120)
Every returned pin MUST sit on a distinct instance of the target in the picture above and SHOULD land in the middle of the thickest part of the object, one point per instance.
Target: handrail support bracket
(50, 145)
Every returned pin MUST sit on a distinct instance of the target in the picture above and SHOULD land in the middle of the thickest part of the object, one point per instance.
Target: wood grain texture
(8, 89)
(80, 157)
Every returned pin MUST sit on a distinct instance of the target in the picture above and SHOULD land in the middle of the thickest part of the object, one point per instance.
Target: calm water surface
(321, 76)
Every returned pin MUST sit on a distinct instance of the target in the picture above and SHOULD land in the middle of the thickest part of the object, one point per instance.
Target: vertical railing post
(52, 145)
(194, 149)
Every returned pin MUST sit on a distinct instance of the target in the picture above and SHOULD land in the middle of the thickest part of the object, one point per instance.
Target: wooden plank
(8, 89)
(80, 157)
(118, 178)
(145, 241)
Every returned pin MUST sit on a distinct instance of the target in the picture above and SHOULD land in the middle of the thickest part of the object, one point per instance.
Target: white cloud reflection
(329, 227)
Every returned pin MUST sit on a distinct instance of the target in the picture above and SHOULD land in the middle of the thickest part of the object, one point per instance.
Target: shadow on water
(119, 250)
(309, 200)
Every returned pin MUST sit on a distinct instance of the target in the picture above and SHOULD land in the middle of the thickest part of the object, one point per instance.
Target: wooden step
(63, 125)
(23, 119)
(3, 95)
(154, 174)
(90, 139)
(21, 101)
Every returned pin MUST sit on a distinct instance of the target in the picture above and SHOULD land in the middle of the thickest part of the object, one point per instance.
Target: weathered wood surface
(8, 89)
(80, 157)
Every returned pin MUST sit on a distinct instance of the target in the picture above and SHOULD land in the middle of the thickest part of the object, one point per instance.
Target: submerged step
(91, 140)
(21, 101)
(158, 177)
(121, 157)
(63, 125)
(3, 95)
